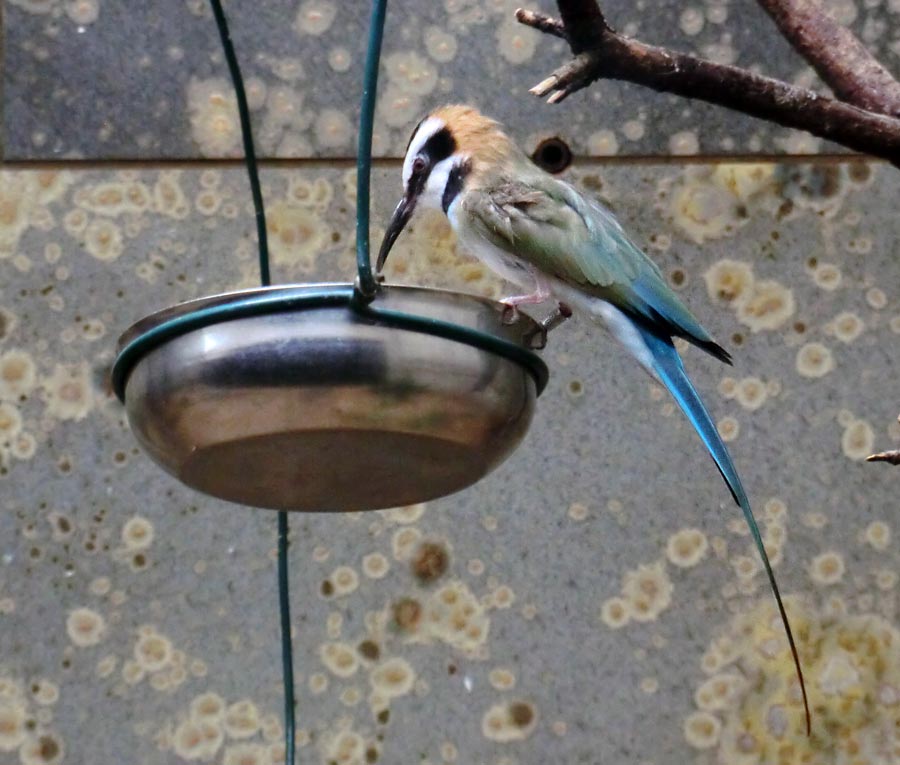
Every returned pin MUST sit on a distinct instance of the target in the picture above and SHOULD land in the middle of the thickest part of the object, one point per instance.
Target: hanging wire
(247, 136)
(366, 284)
(284, 598)
(287, 657)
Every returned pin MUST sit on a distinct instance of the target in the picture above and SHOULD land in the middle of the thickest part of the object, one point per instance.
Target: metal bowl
(300, 398)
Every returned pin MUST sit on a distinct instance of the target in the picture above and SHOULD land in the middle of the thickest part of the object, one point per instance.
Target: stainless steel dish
(291, 398)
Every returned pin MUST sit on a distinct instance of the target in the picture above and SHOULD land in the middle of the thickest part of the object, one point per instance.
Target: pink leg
(541, 293)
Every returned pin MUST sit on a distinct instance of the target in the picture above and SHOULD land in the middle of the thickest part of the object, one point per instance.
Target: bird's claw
(510, 314)
(536, 339)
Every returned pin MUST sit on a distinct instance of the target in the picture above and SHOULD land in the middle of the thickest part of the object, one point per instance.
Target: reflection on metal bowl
(293, 398)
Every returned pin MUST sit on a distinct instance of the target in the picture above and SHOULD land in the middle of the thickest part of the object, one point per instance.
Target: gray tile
(148, 80)
(539, 551)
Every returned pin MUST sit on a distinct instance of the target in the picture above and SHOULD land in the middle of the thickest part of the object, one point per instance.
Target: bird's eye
(418, 165)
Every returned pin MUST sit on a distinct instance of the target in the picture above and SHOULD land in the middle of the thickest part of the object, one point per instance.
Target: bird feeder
(330, 397)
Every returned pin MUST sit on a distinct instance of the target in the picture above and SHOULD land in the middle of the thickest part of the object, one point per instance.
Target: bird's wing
(549, 224)
(548, 231)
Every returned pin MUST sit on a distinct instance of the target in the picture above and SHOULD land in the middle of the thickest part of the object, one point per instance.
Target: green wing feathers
(549, 224)
(548, 232)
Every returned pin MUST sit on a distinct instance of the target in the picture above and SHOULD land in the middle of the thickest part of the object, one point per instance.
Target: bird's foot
(510, 315)
(511, 304)
(537, 338)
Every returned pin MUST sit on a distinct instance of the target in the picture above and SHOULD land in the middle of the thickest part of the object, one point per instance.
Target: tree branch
(836, 54)
(864, 119)
(584, 24)
(614, 56)
(542, 23)
(892, 457)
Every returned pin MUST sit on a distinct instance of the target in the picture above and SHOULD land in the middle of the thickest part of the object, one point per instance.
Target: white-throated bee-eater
(538, 232)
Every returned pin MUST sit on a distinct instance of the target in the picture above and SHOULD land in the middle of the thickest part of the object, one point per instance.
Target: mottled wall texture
(597, 598)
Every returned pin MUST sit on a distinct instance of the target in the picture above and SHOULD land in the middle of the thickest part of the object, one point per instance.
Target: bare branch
(614, 56)
(836, 54)
(584, 23)
(542, 22)
(892, 457)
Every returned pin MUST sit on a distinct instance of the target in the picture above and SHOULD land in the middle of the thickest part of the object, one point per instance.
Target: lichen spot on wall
(827, 568)
(509, 721)
(687, 547)
(68, 391)
(615, 612)
(296, 236)
(858, 440)
(752, 712)
(315, 17)
(339, 658)
(137, 533)
(392, 678)
(814, 360)
(768, 307)
(85, 627)
(729, 282)
(212, 108)
(878, 535)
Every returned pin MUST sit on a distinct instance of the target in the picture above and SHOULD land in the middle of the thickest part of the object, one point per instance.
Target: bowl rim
(157, 328)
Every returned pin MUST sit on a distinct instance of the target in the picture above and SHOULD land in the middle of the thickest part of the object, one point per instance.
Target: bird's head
(450, 150)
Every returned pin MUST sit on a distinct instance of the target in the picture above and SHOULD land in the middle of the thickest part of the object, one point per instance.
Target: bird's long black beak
(399, 219)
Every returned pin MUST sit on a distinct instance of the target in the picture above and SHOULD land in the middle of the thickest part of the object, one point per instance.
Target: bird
(541, 234)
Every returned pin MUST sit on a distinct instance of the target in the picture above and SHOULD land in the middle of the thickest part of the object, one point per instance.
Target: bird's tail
(668, 367)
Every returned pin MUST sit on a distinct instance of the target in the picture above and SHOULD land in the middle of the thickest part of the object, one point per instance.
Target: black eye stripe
(439, 146)
(454, 185)
(417, 185)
